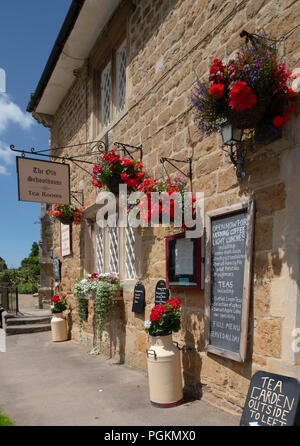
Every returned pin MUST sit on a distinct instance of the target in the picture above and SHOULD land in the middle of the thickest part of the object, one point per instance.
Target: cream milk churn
(164, 372)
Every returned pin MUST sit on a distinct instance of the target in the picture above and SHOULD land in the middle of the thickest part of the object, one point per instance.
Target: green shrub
(27, 288)
(5, 421)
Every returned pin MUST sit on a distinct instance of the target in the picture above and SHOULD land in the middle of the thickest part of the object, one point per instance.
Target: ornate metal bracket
(172, 160)
(254, 38)
(80, 192)
(128, 149)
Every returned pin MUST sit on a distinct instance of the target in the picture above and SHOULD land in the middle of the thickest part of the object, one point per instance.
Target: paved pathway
(59, 384)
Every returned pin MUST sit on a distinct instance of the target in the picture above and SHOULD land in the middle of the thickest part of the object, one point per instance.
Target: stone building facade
(168, 43)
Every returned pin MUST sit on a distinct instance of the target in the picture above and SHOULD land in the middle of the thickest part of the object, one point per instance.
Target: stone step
(28, 320)
(27, 328)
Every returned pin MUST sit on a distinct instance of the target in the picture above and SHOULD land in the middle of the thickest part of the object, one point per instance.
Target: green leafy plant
(27, 288)
(104, 305)
(103, 288)
(5, 420)
(82, 310)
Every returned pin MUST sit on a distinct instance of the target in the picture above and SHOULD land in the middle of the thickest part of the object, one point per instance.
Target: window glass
(106, 95)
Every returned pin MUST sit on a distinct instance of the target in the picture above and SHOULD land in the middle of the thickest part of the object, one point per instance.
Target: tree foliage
(27, 276)
(3, 265)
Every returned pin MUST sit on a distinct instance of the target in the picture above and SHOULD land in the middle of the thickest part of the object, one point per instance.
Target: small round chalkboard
(139, 303)
(161, 293)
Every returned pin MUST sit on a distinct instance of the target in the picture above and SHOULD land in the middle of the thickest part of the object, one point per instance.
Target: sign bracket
(127, 149)
(80, 192)
(171, 161)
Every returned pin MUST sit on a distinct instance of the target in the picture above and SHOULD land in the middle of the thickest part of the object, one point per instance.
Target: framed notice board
(229, 244)
(183, 262)
(65, 239)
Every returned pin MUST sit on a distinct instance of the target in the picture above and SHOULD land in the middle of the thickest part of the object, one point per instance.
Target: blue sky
(28, 30)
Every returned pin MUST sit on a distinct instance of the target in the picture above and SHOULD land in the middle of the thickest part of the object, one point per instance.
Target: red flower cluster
(55, 298)
(216, 71)
(281, 76)
(254, 76)
(175, 303)
(59, 303)
(157, 312)
(216, 90)
(279, 120)
(97, 171)
(111, 157)
(165, 206)
(129, 171)
(241, 96)
(132, 182)
(67, 210)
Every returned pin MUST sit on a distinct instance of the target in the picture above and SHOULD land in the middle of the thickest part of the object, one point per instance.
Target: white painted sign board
(65, 240)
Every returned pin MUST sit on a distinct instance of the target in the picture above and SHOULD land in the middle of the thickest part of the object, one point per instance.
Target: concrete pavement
(59, 384)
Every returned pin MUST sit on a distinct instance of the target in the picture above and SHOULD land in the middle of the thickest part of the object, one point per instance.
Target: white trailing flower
(147, 324)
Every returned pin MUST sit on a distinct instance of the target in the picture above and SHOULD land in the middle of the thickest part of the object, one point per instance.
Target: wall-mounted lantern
(232, 137)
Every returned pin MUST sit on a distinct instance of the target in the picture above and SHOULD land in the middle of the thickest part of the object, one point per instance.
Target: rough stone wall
(46, 243)
(170, 42)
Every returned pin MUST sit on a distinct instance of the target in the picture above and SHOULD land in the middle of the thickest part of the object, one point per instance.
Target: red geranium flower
(156, 312)
(55, 298)
(291, 93)
(216, 90)
(278, 121)
(175, 303)
(241, 96)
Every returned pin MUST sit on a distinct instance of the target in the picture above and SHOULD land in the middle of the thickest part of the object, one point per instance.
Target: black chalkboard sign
(56, 268)
(272, 400)
(139, 303)
(161, 293)
(229, 252)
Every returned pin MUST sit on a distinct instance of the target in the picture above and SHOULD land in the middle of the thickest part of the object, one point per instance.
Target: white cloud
(3, 170)
(6, 155)
(11, 113)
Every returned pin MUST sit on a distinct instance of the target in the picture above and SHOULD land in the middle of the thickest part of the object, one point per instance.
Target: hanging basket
(65, 220)
(247, 119)
(113, 183)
